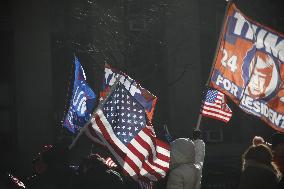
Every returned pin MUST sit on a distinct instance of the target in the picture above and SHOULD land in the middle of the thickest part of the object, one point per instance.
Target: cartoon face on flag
(249, 67)
(82, 101)
(261, 76)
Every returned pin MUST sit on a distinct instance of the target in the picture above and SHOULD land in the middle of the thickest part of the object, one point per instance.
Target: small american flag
(109, 162)
(214, 106)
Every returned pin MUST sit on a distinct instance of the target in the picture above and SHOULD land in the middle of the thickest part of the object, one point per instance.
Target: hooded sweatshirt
(199, 146)
(184, 173)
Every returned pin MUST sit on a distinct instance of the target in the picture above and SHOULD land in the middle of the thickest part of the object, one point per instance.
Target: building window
(215, 135)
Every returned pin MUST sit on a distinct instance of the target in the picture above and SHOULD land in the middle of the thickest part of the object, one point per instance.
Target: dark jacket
(258, 176)
(94, 174)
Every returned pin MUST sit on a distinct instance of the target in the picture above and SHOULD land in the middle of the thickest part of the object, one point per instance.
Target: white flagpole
(82, 130)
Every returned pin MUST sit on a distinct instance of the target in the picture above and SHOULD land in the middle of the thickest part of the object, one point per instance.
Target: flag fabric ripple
(123, 124)
(214, 106)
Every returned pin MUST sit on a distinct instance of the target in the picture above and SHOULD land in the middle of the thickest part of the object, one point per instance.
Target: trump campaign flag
(249, 67)
(82, 101)
(123, 123)
(215, 106)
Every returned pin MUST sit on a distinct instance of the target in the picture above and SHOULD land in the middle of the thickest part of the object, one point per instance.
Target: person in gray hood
(184, 172)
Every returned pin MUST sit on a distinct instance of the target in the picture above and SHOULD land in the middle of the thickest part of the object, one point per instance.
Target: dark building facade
(168, 50)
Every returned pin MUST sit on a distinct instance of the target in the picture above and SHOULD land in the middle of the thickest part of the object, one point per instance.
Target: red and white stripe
(218, 110)
(144, 156)
(110, 163)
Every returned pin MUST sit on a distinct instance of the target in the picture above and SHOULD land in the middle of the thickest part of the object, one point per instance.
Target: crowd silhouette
(262, 168)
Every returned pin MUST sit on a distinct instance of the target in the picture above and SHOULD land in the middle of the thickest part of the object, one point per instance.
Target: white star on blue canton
(127, 115)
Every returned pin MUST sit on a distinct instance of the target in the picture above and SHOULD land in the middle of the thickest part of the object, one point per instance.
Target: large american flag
(214, 106)
(123, 124)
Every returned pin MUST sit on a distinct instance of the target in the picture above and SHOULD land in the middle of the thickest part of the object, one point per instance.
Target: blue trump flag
(82, 101)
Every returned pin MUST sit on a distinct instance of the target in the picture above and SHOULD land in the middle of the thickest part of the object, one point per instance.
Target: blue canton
(211, 96)
(125, 114)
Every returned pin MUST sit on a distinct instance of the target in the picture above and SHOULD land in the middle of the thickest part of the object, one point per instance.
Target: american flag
(123, 124)
(214, 106)
(109, 162)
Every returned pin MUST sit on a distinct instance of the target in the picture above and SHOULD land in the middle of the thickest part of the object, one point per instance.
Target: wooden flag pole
(215, 58)
(82, 130)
